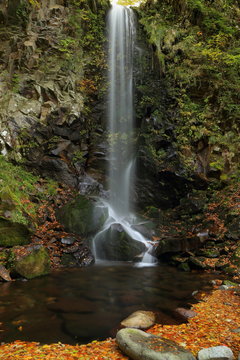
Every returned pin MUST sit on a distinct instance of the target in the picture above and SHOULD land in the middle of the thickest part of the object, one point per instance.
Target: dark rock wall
(51, 72)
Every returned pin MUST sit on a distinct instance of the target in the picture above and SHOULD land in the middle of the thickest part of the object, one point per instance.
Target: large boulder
(115, 244)
(81, 216)
(177, 244)
(139, 345)
(13, 234)
(31, 262)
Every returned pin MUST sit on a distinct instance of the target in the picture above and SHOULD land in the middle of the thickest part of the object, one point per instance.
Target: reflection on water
(79, 305)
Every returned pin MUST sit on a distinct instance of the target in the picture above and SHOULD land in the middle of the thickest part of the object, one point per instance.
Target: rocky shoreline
(212, 333)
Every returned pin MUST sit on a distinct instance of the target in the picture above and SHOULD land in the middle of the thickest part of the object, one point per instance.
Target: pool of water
(83, 304)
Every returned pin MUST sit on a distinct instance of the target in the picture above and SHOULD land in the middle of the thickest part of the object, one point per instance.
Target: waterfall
(120, 230)
(120, 107)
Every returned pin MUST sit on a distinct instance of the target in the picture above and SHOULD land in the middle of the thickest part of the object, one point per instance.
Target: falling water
(121, 114)
(122, 34)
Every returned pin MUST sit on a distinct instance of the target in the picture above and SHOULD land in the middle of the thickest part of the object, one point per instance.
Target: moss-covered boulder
(13, 234)
(31, 262)
(82, 216)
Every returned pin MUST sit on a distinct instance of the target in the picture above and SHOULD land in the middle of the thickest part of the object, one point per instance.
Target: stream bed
(82, 304)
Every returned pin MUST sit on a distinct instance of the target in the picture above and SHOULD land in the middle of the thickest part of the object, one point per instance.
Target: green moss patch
(12, 234)
(21, 193)
(33, 264)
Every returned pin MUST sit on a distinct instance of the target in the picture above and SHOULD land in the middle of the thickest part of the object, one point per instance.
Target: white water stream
(122, 34)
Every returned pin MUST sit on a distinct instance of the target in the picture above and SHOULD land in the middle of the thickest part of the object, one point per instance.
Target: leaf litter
(218, 318)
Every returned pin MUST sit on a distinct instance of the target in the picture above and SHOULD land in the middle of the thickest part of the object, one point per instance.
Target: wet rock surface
(43, 90)
(140, 345)
(81, 216)
(116, 244)
(216, 352)
(177, 244)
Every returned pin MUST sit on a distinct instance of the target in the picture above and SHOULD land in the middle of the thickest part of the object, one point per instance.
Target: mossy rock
(6, 203)
(184, 267)
(68, 260)
(115, 244)
(221, 264)
(82, 216)
(209, 253)
(235, 259)
(177, 244)
(229, 283)
(229, 270)
(197, 262)
(35, 263)
(233, 229)
(13, 234)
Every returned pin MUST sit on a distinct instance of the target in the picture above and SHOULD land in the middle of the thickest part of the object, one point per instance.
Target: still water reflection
(79, 305)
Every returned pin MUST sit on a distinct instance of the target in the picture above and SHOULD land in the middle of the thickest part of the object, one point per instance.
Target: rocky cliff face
(52, 64)
(196, 46)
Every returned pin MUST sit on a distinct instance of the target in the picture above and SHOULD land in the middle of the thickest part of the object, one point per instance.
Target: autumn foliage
(217, 318)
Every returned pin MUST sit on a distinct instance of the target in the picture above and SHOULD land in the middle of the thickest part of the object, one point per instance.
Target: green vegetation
(36, 263)
(21, 193)
(198, 49)
(128, 2)
(87, 24)
(13, 234)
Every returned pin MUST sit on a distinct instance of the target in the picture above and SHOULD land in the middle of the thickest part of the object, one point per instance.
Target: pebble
(236, 330)
(68, 240)
(224, 287)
